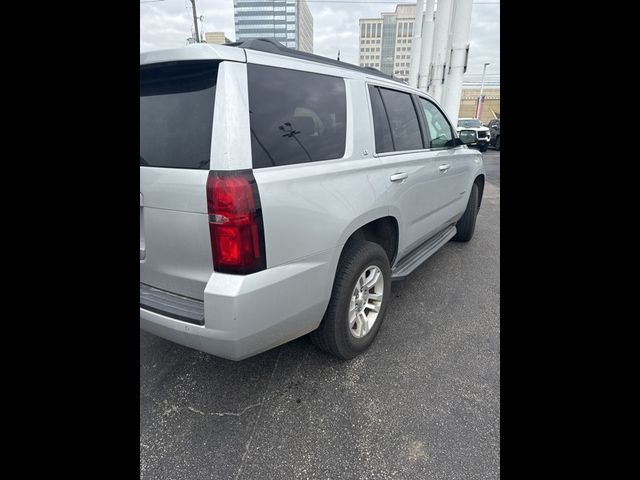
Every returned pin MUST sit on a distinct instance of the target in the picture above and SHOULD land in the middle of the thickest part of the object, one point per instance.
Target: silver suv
(281, 193)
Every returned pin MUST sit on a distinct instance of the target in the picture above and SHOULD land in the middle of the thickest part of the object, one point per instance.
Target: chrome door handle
(444, 167)
(397, 177)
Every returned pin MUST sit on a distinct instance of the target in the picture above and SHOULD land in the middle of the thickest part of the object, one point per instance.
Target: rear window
(176, 114)
(403, 120)
(296, 117)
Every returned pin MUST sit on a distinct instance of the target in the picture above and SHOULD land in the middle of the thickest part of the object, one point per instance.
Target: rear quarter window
(296, 117)
(176, 114)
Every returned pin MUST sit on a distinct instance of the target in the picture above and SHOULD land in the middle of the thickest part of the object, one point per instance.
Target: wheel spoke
(352, 319)
(364, 325)
(375, 296)
(373, 278)
(374, 307)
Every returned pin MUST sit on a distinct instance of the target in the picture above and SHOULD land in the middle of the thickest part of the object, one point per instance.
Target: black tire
(498, 143)
(483, 148)
(467, 223)
(333, 335)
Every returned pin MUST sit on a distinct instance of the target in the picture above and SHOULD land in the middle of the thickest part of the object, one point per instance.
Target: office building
(287, 21)
(385, 43)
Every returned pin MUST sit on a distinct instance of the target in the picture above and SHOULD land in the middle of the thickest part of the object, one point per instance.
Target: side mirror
(467, 137)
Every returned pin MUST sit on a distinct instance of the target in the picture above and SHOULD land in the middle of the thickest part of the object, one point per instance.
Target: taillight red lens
(235, 222)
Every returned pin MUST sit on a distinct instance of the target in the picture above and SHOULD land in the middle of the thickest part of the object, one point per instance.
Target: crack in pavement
(253, 431)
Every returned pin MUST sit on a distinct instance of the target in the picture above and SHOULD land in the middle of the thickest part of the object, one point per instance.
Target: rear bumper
(246, 315)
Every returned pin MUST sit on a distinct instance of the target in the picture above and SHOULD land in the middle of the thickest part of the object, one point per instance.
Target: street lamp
(481, 96)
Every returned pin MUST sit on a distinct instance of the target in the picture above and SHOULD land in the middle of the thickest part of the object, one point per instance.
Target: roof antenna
(338, 55)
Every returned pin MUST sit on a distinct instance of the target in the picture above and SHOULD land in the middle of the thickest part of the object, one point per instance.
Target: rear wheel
(359, 299)
(467, 223)
(498, 143)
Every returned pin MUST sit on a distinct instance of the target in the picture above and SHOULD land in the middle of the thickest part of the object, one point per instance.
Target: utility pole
(195, 20)
(481, 96)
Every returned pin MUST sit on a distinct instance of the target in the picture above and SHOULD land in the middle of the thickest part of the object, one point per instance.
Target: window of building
(296, 117)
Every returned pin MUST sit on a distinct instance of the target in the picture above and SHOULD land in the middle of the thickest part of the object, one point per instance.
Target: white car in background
(473, 126)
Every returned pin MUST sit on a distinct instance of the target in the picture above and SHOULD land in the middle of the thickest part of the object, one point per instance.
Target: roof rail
(272, 46)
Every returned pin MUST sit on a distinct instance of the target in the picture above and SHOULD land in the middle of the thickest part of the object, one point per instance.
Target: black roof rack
(272, 46)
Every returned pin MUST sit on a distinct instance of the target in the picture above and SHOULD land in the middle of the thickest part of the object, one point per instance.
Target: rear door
(176, 121)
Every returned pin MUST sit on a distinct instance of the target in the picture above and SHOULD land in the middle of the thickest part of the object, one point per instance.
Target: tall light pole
(195, 20)
(481, 96)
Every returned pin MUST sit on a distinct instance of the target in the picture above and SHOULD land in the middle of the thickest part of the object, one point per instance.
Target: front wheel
(498, 143)
(361, 292)
(483, 147)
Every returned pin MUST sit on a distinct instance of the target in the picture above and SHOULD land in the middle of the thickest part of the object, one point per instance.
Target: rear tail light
(235, 222)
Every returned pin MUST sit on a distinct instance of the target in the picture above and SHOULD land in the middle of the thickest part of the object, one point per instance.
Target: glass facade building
(287, 21)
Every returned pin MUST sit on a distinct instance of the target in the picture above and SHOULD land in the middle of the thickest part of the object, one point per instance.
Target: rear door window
(296, 117)
(395, 121)
(403, 120)
(381, 127)
(176, 114)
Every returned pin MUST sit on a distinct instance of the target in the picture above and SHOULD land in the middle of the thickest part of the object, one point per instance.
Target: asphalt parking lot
(422, 403)
(491, 160)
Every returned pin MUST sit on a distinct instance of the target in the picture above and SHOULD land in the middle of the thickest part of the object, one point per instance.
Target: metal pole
(481, 96)
(461, 25)
(416, 45)
(195, 20)
(484, 71)
(427, 45)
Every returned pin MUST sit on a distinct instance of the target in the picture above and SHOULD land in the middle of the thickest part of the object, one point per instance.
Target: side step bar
(416, 258)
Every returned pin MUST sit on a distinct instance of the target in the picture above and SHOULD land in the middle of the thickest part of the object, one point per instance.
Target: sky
(168, 23)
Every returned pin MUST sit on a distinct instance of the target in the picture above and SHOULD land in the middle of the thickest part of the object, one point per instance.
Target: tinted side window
(382, 130)
(176, 114)
(405, 128)
(438, 126)
(296, 117)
